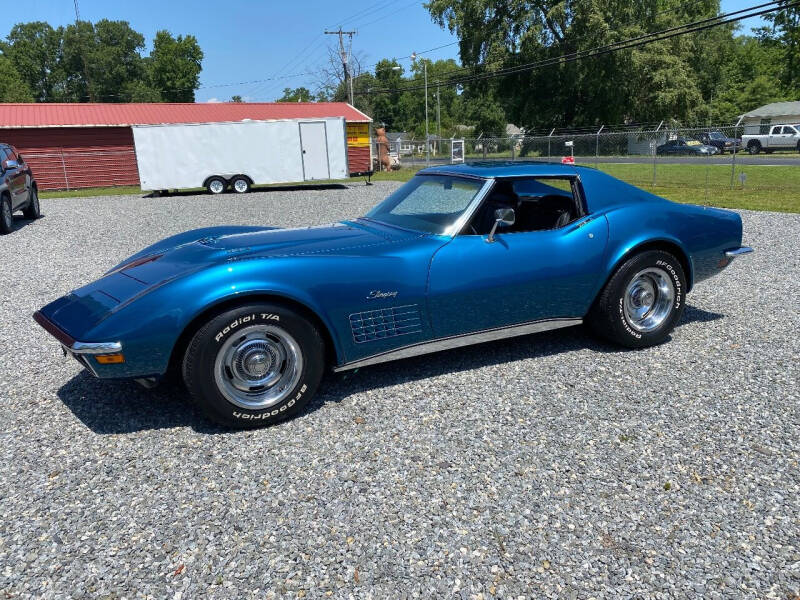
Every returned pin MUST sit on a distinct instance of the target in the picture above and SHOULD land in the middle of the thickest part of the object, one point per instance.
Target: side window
(789, 129)
(776, 130)
(539, 203)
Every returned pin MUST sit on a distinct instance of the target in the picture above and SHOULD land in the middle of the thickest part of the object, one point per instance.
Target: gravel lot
(547, 466)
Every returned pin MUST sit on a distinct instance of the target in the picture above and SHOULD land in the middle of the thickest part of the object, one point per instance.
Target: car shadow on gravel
(341, 385)
(120, 407)
(108, 406)
(20, 222)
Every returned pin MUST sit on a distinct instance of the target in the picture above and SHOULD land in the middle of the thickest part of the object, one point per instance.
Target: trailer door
(314, 142)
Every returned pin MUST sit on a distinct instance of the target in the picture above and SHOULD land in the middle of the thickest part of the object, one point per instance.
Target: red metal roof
(111, 115)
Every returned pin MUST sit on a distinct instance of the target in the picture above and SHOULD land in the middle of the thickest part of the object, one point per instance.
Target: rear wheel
(240, 185)
(754, 147)
(216, 185)
(254, 365)
(32, 210)
(6, 218)
(642, 302)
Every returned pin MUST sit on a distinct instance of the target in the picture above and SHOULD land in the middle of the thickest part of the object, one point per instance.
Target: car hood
(203, 247)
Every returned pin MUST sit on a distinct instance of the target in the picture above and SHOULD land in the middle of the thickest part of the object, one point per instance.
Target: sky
(255, 49)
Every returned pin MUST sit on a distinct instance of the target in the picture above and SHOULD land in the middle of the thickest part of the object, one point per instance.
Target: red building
(91, 145)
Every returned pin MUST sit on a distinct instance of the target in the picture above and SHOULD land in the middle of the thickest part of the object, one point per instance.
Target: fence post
(548, 142)
(513, 143)
(733, 159)
(597, 146)
(655, 143)
(64, 168)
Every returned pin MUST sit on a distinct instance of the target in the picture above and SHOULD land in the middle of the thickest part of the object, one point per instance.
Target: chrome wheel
(240, 186)
(648, 299)
(216, 186)
(259, 367)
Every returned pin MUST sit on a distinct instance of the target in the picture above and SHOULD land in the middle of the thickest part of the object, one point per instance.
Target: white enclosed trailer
(240, 154)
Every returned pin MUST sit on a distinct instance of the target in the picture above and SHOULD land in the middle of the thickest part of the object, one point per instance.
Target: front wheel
(32, 211)
(642, 302)
(254, 365)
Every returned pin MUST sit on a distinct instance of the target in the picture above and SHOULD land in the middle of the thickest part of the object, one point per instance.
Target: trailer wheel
(216, 185)
(240, 184)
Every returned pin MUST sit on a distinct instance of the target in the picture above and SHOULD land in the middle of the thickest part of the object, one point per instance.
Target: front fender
(150, 326)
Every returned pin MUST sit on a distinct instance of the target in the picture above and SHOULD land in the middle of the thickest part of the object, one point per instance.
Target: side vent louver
(372, 325)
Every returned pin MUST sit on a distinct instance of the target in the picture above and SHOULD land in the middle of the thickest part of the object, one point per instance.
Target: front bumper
(81, 351)
(736, 252)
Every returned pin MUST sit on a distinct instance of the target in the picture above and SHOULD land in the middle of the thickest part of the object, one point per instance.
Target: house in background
(404, 143)
(758, 121)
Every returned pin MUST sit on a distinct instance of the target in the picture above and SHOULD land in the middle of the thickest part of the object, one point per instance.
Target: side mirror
(503, 217)
(9, 164)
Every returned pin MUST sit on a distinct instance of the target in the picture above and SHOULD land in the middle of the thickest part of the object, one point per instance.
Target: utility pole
(427, 140)
(438, 115)
(345, 55)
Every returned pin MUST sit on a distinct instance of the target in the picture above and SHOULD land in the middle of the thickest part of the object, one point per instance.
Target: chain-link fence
(707, 159)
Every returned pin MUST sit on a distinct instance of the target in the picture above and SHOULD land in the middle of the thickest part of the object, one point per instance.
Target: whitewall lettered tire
(642, 302)
(254, 365)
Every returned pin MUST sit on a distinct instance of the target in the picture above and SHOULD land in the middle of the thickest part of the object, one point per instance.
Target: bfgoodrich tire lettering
(642, 302)
(254, 365)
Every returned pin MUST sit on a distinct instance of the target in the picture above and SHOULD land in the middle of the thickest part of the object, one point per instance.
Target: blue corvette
(459, 255)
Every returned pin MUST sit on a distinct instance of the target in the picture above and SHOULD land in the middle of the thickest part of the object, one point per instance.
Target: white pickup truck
(780, 137)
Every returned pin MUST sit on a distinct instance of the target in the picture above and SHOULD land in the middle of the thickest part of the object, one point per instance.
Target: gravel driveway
(552, 465)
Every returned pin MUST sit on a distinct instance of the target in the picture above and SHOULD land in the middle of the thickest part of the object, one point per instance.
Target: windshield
(716, 135)
(429, 203)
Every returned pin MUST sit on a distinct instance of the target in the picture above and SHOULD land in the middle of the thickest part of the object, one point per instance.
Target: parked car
(18, 189)
(780, 137)
(685, 146)
(462, 254)
(720, 141)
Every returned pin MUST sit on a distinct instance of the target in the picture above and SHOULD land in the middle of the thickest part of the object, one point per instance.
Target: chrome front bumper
(80, 351)
(72, 345)
(736, 252)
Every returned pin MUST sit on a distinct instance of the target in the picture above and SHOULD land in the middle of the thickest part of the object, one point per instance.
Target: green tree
(300, 94)
(386, 106)
(669, 79)
(786, 31)
(175, 66)
(101, 60)
(749, 79)
(35, 51)
(236, 98)
(12, 87)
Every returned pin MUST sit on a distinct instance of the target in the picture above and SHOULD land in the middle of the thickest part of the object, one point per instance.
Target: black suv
(721, 141)
(17, 188)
